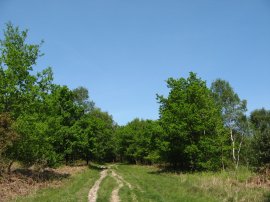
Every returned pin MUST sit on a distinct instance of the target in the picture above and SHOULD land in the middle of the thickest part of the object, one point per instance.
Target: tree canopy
(191, 123)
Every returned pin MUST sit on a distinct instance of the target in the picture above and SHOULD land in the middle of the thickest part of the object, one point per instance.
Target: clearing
(119, 182)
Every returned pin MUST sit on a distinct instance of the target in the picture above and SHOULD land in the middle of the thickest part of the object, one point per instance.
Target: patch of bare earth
(22, 182)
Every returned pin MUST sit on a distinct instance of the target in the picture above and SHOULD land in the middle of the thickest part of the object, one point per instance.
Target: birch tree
(232, 109)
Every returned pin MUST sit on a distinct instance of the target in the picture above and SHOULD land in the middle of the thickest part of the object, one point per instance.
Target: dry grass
(22, 182)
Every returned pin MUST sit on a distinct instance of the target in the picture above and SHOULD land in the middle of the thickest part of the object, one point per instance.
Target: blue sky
(123, 50)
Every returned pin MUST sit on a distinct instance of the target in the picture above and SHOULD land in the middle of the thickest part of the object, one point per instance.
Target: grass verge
(151, 185)
(75, 188)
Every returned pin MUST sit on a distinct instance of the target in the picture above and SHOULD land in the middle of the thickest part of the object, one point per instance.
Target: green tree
(17, 59)
(33, 146)
(232, 109)
(53, 123)
(100, 131)
(260, 120)
(83, 145)
(139, 141)
(81, 96)
(23, 96)
(191, 123)
(64, 113)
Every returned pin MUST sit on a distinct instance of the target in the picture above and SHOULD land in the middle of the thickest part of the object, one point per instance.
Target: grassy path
(74, 189)
(111, 186)
(144, 183)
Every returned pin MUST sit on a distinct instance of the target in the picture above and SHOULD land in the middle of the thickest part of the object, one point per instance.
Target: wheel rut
(115, 192)
(93, 193)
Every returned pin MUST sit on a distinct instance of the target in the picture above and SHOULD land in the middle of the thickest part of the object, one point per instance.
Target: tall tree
(191, 122)
(232, 109)
(17, 59)
(65, 113)
(101, 129)
(22, 95)
(260, 120)
(81, 96)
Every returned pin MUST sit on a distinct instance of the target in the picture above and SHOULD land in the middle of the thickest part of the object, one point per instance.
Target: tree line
(46, 124)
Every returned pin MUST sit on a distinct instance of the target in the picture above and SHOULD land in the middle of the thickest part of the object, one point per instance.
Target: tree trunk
(9, 167)
(222, 158)
(238, 152)
(87, 160)
(66, 158)
(233, 147)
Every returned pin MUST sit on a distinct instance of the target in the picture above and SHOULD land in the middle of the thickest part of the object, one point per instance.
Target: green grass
(106, 188)
(74, 189)
(150, 185)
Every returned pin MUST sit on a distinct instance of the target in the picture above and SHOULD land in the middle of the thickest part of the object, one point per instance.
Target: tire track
(92, 195)
(121, 182)
(115, 192)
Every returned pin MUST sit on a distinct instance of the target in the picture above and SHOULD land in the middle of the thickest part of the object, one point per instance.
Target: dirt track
(92, 195)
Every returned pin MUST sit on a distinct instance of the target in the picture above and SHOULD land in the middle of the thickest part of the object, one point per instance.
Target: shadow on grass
(43, 176)
(170, 169)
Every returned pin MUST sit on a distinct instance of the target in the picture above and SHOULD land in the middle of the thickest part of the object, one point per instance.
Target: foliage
(139, 141)
(81, 96)
(16, 62)
(229, 102)
(53, 122)
(7, 137)
(260, 120)
(233, 113)
(191, 123)
(102, 128)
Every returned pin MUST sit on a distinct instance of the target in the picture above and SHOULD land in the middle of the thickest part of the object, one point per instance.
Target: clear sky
(124, 50)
